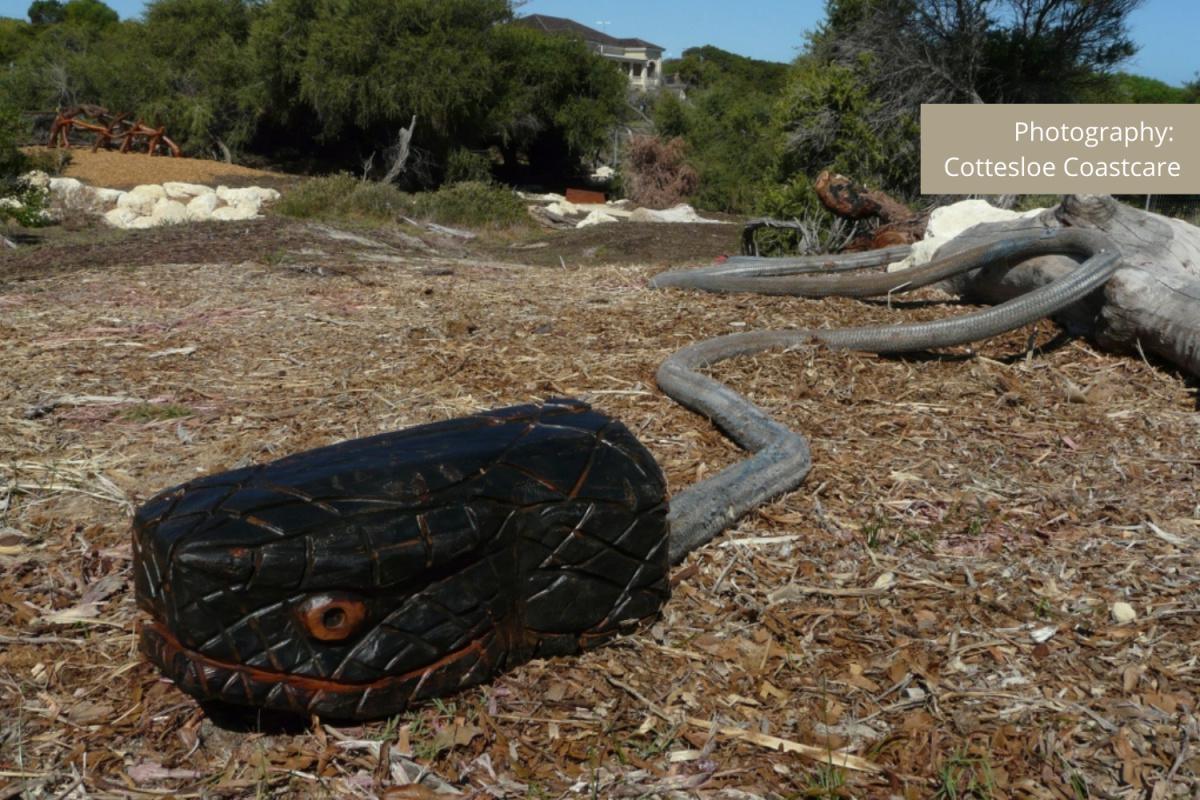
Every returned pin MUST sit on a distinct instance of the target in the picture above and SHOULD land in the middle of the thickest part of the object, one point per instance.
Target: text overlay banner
(1060, 149)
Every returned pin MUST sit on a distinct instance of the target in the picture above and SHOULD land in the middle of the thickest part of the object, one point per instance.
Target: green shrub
(732, 140)
(792, 200)
(467, 165)
(316, 197)
(830, 120)
(12, 161)
(374, 200)
(1122, 87)
(18, 200)
(344, 196)
(473, 204)
(52, 161)
(24, 204)
(797, 201)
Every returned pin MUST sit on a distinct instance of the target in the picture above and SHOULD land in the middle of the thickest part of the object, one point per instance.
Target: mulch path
(55, 251)
(620, 243)
(933, 607)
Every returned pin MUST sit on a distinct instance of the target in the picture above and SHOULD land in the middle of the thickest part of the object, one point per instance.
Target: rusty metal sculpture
(107, 127)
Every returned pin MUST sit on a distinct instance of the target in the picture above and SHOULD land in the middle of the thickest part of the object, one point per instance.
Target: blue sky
(1167, 30)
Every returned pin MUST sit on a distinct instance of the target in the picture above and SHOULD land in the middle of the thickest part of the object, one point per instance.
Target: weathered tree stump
(898, 223)
(1152, 303)
(852, 200)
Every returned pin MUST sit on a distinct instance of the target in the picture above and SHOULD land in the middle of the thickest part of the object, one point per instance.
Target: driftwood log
(1151, 304)
(1129, 279)
(890, 222)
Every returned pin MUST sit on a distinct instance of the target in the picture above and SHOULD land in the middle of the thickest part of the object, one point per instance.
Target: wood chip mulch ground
(988, 587)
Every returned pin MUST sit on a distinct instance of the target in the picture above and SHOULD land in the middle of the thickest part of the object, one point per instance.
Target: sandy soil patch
(117, 170)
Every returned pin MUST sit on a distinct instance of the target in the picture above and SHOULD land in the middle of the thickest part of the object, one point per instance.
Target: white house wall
(650, 61)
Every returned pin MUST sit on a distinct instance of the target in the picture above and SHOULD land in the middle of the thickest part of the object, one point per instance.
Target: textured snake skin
(354, 579)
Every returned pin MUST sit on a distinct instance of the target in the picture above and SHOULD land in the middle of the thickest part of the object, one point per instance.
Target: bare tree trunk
(1152, 303)
(398, 153)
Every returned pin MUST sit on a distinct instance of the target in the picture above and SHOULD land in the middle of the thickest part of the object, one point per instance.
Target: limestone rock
(67, 190)
(949, 221)
(142, 199)
(611, 209)
(596, 218)
(120, 217)
(202, 206)
(680, 213)
(149, 190)
(255, 195)
(233, 213)
(107, 197)
(247, 207)
(563, 208)
(37, 179)
(177, 190)
(172, 203)
(169, 212)
(141, 223)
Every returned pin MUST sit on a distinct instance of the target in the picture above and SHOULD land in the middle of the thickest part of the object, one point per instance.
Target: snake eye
(332, 617)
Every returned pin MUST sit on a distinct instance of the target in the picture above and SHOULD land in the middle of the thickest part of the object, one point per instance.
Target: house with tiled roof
(641, 61)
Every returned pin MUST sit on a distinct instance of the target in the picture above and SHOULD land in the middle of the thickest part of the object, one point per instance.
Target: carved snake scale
(353, 580)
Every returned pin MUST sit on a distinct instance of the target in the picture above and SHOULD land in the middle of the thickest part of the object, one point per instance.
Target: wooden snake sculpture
(353, 580)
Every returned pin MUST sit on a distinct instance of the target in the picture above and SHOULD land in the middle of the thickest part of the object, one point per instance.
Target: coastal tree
(727, 122)
(853, 98)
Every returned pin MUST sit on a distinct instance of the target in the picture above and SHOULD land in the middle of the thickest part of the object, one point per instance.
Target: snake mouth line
(208, 678)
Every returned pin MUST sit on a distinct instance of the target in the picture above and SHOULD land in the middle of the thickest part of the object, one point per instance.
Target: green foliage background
(29, 201)
(728, 122)
(323, 82)
(474, 204)
(759, 133)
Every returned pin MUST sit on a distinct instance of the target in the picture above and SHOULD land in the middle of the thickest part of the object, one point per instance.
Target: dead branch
(397, 155)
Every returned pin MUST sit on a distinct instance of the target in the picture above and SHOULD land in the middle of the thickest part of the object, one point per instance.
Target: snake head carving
(354, 579)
